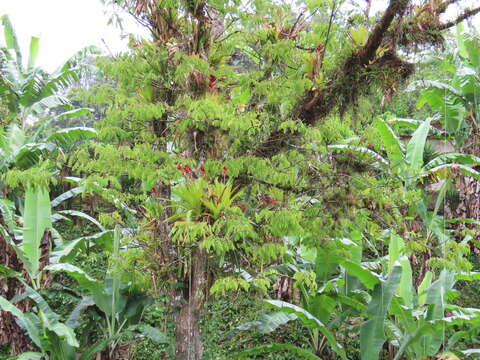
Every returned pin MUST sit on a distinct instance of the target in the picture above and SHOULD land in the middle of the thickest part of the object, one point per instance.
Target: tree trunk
(469, 190)
(189, 343)
(188, 301)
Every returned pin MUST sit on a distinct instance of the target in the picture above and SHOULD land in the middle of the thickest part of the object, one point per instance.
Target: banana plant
(418, 330)
(341, 284)
(455, 100)
(286, 312)
(53, 337)
(28, 89)
(21, 150)
(413, 318)
(39, 215)
(37, 225)
(120, 306)
(56, 339)
(417, 323)
(63, 250)
(407, 162)
(372, 331)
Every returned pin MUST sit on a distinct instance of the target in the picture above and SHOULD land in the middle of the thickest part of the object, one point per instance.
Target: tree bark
(188, 301)
(469, 189)
(10, 332)
(189, 343)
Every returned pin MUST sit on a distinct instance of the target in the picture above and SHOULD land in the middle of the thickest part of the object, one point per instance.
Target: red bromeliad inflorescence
(213, 82)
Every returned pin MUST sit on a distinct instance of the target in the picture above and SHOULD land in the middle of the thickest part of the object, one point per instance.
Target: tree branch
(367, 53)
(465, 15)
(314, 104)
(443, 6)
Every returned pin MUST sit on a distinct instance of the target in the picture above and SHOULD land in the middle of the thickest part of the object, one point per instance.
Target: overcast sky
(65, 26)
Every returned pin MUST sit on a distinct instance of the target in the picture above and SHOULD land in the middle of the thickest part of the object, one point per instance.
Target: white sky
(65, 26)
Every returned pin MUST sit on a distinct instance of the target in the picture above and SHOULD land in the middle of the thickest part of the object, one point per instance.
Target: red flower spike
(271, 201)
(213, 82)
(179, 167)
(319, 48)
(225, 170)
(202, 170)
(136, 45)
(187, 169)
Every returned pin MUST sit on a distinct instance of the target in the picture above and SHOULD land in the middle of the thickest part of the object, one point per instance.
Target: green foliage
(372, 334)
(28, 89)
(186, 206)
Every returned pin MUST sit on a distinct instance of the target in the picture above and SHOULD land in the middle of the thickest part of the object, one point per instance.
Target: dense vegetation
(256, 180)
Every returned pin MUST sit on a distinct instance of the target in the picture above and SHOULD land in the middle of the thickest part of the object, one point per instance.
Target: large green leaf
(30, 154)
(73, 113)
(452, 158)
(422, 288)
(84, 280)
(74, 317)
(268, 322)
(135, 305)
(33, 330)
(392, 144)
(426, 84)
(303, 315)
(368, 279)
(11, 38)
(412, 339)
(362, 152)
(34, 48)
(471, 352)
(405, 289)
(67, 195)
(68, 250)
(50, 317)
(445, 171)
(468, 46)
(82, 215)
(395, 249)
(413, 124)
(436, 301)
(308, 320)
(106, 294)
(37, 219)
(66, 137)
(50, 321)
(321, 306)
(154, 334)
(372, 333)
(415, 149)
(447, 102)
